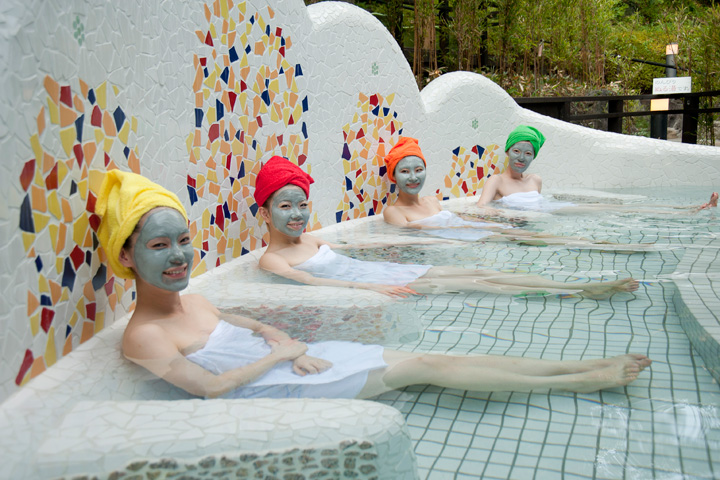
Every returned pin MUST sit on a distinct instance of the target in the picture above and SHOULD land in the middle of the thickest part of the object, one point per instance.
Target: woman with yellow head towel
(186, 341)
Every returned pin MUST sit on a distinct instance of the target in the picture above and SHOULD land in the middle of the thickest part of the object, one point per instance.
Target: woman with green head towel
(185, 340)
(515, 189)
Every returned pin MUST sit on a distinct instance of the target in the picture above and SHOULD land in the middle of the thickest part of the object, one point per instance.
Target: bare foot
(623, 370)
(712, 203)
(595, 364)
(606, 289)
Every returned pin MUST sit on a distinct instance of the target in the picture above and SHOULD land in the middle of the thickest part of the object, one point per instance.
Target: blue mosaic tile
(27, 224)
(119, 117)
(68, 278)
(100, 278)
(79, 128)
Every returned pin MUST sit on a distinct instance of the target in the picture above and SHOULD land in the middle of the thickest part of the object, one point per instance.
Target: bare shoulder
(394, 216)
(433, 201)
(536, 181)
(492, 190)
(312, 240)
(271, 261)
(198, 301)
(147, 340)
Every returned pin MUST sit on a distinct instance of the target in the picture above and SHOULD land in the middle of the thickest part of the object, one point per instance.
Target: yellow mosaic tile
(107, 144)
(99, 321)
(80, 229)
(99, 136)
(50, 350)
(35, 324)
(101, 95)
(67, 137)
(124, 133)
(41, 221)
(53, 111)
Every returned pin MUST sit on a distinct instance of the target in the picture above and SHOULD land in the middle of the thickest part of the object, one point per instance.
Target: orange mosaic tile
(55, 185)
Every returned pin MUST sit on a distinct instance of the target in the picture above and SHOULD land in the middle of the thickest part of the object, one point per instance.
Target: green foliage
(567, 47)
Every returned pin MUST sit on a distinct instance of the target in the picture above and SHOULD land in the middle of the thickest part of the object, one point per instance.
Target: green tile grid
(664, 425)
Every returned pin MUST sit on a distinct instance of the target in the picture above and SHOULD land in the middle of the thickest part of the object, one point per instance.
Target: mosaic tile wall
(78, 134)
(196, 95)
(250, 101)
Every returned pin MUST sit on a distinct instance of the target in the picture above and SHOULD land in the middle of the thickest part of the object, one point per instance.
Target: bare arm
(268, 332)
(149, 347)
(276, 264)
(489, 191)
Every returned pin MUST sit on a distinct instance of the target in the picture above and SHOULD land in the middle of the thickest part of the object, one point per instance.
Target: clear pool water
(666, 425)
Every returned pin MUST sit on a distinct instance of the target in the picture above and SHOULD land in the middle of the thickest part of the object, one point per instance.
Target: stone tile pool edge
(697, 301)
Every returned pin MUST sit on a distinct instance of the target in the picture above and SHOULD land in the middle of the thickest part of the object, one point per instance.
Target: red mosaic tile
(66, 95)
(27, 174)
(51, 181)
(109, 286)
(94, 222)
(77, 256)
(96, 117)
(24, 366)
(46, 318)
(79, 155)
(214, 132)
(90, 205)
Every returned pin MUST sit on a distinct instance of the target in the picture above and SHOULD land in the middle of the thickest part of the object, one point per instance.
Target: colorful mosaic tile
(373, 131)
(79, 137)
(469, 169)
(248, 107)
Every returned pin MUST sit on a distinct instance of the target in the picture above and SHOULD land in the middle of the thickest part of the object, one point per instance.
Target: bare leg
(447, 278)
(499, 373)
(540, 239)
(662, 209)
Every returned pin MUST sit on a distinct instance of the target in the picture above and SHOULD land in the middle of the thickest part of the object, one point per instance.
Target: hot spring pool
(666, 425)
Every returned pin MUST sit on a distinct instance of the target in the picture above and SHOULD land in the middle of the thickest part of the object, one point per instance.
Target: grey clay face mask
(521, 156)
(410, 174)
(290, 210)
(163, 252)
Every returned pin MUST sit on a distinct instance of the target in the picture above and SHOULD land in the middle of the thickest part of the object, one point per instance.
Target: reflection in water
(661, 432)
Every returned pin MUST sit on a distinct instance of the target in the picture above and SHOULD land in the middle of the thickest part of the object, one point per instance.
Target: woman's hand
(287, 349)
(305, 364)
(389, 290)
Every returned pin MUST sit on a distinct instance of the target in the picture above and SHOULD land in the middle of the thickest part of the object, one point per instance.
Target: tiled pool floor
(666, 425)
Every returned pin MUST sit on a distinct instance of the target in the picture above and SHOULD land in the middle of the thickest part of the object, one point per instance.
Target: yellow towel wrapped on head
(123, 199)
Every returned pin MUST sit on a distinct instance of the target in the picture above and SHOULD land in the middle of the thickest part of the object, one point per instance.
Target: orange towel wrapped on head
(405, 147)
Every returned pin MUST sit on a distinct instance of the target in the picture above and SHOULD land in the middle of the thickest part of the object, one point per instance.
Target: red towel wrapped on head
(405, 147)
(275, 174)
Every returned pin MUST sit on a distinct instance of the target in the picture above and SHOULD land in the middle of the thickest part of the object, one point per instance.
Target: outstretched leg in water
(497, 373)
(451, 279)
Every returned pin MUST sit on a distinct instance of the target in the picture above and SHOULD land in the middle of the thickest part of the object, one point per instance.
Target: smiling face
(410, 174)
(521, 156)
(162, 253)
(290, 211)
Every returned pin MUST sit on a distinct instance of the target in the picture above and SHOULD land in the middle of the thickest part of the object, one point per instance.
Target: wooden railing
(560, 108)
